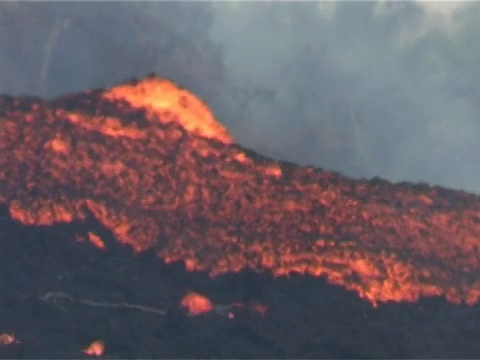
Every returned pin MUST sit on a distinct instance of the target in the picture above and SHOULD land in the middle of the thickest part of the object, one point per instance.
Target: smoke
(385, 89)
(365, 88)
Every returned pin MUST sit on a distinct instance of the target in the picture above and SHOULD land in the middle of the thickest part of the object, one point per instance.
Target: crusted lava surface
(149, 162)
(306, 317)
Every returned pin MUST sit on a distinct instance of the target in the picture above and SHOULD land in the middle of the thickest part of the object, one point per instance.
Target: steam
(385, 89)
(366, 88)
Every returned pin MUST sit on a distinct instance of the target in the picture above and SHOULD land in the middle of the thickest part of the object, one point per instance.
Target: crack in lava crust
(160, 172)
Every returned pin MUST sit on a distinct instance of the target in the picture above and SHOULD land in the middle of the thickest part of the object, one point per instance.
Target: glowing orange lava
(169, 103)
(150, 163)
(96, 348)
(196, 304)
(96, 240)
(7, 339)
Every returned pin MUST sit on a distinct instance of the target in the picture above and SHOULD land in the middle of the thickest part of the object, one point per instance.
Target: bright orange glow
(96, 240)
(149, 162)
(196, 304)
(96, 348)
(7, 339)
(169, 103)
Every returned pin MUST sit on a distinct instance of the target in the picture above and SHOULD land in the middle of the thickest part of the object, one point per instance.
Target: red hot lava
(150, 162)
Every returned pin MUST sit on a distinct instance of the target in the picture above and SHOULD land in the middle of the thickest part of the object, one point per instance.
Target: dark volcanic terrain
(120, 205)
(306, 317)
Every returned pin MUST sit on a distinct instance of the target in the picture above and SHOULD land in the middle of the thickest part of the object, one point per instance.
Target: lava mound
(150, 163)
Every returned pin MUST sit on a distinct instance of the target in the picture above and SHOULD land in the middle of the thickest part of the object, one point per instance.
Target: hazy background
(389, 89)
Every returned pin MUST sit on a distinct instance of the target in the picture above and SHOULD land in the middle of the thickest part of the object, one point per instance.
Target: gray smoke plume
(387, 89)
(361, 87)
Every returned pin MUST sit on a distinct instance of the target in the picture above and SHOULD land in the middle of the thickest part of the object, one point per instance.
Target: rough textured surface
(306, 317)
(169, 184)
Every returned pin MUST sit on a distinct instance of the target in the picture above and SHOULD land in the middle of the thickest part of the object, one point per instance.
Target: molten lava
(7, 339)
(166, 102)
(96, 348)
(196, 304)
(149, 161)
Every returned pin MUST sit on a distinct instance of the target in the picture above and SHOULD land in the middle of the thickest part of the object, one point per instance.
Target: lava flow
(149, 161)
